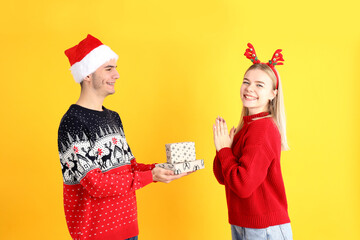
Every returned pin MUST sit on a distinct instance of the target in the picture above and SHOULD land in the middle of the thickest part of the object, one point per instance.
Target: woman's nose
(250, 88)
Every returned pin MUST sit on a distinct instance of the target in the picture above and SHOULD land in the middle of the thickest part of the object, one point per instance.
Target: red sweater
(251, 173)
(103, 205)
(100, 175)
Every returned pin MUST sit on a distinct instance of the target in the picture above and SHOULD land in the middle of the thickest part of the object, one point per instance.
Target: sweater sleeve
(217, 170)
(79, 159)
(245, 174)
(100, 185)
(140, 166)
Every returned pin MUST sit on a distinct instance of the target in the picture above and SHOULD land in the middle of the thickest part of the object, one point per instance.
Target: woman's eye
(245, 82)
(259, 85)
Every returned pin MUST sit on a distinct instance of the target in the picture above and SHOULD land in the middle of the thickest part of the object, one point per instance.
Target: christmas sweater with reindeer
(100, 175)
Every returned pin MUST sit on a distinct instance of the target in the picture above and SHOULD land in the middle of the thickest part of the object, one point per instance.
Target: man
(99, 170)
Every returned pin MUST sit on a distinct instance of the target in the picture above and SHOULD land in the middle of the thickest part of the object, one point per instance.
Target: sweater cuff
(152, 166)
(146, 177)
(224, 153)
(226, 157)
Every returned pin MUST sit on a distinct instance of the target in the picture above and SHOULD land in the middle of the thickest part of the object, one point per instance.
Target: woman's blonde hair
(276, 106)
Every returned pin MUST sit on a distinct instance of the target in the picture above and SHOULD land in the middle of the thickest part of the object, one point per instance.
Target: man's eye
(245, 82)
(259, 85)
(108, 69)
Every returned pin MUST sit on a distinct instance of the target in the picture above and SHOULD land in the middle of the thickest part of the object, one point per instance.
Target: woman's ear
(274, 93)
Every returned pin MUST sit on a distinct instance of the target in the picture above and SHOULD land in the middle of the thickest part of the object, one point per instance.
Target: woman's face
(256, 91)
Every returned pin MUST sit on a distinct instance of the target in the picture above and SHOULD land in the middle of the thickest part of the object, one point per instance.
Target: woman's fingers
(222, 137)
(220, 127)
(232, 133)
(218, 130)
(226, 132)
(214, 131)
(223, 127)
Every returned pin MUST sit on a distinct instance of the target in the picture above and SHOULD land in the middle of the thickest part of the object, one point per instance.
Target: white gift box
(180, 152)
(184, 166)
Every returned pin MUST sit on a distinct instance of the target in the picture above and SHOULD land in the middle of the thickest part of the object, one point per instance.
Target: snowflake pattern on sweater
(82, 150)
(100, 175)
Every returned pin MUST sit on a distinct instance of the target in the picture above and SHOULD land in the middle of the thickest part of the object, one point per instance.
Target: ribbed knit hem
(131, 230)
(261, 221)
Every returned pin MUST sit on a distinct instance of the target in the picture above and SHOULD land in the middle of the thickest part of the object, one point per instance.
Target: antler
(251, 54)
(276, 58)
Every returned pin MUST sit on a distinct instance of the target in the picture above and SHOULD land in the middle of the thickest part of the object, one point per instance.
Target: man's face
(104, 78)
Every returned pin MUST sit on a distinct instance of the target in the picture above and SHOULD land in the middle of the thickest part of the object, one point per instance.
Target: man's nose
(116, 74)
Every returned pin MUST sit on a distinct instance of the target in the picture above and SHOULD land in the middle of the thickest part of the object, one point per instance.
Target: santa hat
(88, 56)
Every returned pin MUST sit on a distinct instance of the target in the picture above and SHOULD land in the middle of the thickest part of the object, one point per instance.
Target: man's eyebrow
(110, 66)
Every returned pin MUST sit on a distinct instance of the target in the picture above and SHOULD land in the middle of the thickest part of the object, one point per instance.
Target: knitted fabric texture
(251, 173)
(100, 175)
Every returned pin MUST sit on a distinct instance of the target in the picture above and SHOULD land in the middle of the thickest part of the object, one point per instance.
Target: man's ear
(87, 79)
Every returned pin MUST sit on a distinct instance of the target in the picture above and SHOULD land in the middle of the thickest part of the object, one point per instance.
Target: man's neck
(90, 101)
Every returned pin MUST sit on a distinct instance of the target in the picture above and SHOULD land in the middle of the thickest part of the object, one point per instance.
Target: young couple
(101, 175)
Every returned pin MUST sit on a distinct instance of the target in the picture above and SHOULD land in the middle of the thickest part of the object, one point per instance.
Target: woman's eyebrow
(260, 82)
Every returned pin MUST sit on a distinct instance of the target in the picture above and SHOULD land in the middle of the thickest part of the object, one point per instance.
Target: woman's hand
(222, 138)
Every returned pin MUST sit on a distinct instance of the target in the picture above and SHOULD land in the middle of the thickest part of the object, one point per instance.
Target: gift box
(180, 152)
(181, 158)
(184, 166)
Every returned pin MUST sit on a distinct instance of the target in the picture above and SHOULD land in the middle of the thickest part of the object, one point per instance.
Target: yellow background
(181, 65)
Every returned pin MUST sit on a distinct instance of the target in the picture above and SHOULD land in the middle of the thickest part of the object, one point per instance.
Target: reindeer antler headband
(275, 60)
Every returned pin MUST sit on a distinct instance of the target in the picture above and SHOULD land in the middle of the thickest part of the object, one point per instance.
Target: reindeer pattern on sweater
(90, 139)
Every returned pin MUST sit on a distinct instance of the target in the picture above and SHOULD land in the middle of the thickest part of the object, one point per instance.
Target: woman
(247, 159)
